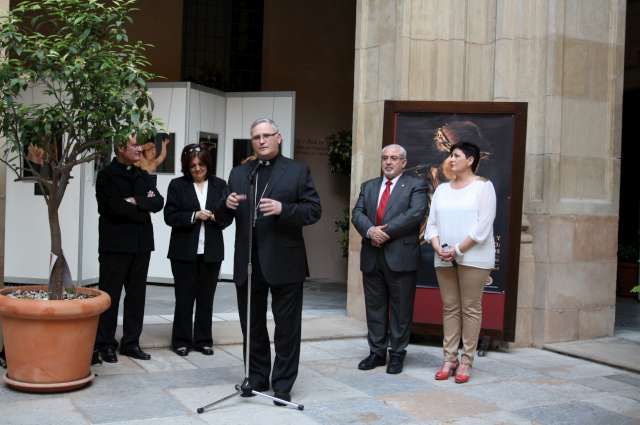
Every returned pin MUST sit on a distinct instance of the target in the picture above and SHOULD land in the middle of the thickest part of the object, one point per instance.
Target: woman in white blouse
(460, 230)
(196, 248)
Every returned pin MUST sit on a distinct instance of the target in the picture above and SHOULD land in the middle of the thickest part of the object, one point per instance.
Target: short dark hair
(470, 150)
(195, 150)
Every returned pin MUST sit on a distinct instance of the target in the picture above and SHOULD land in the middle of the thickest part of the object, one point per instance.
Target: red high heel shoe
(462, 374)
(446, 370)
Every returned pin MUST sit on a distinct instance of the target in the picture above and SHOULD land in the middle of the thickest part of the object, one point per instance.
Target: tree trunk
(56, 278)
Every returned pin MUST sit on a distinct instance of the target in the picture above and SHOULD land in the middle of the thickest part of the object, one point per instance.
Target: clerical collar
(123, 166)
(269, 162)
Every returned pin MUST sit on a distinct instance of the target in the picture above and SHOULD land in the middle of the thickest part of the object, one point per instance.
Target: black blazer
(404, 212)
(182, 202)
(280, 245)
(124, 227)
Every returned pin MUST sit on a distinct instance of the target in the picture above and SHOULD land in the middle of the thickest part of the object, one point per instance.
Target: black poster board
(427, 130)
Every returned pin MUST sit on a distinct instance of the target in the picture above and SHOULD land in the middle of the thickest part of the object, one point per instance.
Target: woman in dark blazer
(196, 249)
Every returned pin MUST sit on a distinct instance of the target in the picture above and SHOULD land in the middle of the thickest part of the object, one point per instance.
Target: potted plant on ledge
(77, 55)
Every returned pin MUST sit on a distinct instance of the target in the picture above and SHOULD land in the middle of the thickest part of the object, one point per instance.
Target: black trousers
(286, 305)
(194, 282)
(118, 271)
(388, 297)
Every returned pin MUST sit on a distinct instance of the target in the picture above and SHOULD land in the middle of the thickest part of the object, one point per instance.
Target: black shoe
(281, 396)
(395, 364)
(95, 358)
(181, 351)
(206, 350)
(109, 355)
(135, 352)
(373, 360)
(259, 388)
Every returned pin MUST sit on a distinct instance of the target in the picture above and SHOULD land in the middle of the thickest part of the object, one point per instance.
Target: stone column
(563, 57)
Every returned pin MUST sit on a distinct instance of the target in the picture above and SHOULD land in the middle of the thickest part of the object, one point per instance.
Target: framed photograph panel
(428, 130)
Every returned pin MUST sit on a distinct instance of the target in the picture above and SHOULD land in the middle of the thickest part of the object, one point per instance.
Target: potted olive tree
(77, 55)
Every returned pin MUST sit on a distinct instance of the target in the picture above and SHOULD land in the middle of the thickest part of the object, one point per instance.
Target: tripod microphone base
(245, 390)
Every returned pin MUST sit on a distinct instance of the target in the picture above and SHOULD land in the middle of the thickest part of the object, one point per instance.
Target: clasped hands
(204, 215)
(446, 253)
(267, 206)
(378, 236)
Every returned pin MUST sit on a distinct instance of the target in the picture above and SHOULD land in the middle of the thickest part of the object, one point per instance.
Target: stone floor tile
(437, 405)
(615, 403)
(227, 316)
(586, 370)
(312, 388)
(576, 412)
(488, 367)
(220, 358)
(540, 359)
(357, 411)
(374, 382)
(633, 394)
(156, 319)
(342, 348)
(237, 352)
(125, 365)
(163, 360)
(171, 420)
(122, 404)
(627, 378)
(48, 410)
(514, 395)
(227, 376)
(492, 418)
(310, 353)
(604, 383)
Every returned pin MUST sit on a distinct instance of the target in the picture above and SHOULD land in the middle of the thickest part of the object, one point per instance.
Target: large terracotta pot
(49, 343)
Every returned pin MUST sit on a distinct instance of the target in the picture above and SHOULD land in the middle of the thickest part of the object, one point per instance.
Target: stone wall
(565, 58)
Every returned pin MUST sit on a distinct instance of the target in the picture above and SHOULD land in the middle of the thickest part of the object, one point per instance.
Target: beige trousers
(461, 292)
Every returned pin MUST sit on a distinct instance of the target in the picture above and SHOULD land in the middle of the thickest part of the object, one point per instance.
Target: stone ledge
(612, 351)
(228, 332)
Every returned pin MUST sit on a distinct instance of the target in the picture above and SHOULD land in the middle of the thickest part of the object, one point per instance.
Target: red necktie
(383, 203)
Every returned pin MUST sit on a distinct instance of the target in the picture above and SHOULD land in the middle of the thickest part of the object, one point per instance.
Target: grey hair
(403, 151)
(265, 120)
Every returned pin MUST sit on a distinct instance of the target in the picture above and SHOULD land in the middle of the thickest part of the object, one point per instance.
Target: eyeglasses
(257, 137)
(392, 158)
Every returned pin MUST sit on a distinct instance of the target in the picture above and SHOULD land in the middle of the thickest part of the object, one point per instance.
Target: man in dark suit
(126, 196)
(388, 215)
(286, 200)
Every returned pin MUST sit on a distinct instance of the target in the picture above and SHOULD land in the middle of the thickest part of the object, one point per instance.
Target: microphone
(254, 171)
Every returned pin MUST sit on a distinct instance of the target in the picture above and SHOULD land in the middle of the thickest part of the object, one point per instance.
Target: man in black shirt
(126, 196)
(286, 200)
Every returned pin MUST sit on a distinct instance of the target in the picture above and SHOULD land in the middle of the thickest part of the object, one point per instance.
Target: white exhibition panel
(186, 110)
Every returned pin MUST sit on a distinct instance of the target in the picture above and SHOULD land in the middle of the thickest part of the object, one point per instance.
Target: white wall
(185, 110)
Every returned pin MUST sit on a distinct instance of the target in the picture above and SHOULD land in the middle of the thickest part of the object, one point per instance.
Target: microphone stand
(244, 389)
